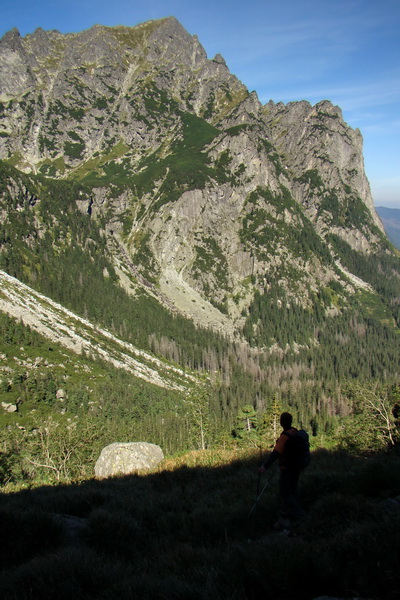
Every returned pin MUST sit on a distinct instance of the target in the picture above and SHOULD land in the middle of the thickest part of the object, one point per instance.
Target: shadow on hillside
(187, 534)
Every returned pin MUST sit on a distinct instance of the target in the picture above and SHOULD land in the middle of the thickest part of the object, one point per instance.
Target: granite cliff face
(206, 196)
(73, 95)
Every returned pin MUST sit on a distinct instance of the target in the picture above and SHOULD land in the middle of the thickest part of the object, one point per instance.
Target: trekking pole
(261, 493)
(259, 475)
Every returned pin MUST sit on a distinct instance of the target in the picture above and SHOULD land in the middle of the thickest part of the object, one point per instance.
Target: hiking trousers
(288, 480)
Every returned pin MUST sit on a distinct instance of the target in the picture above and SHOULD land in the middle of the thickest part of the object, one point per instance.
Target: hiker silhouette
(292, 451)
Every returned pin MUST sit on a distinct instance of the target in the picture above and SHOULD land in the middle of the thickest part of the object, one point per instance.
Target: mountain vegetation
(184, 531)
(146, 190)
(179, 263)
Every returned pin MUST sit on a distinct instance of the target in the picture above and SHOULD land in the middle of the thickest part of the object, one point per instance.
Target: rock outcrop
(127, 458)
(79, 335)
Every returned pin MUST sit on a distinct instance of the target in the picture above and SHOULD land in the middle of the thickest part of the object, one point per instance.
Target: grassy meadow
(183, 531)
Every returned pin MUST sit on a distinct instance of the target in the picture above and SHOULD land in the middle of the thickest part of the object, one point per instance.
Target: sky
(345, 51)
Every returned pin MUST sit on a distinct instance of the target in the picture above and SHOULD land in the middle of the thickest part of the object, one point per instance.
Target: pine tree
(269, 423)
(246, 425)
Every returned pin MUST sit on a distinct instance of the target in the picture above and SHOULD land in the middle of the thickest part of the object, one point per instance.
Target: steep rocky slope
(205, 196)
(67, 329)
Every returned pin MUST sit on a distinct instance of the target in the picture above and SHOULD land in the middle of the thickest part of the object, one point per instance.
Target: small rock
(8, 407)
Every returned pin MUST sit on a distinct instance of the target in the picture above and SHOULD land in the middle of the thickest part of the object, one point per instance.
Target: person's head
(286, 420)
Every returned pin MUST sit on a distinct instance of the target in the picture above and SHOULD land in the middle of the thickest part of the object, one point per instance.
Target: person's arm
(276, 452)
(271, 459)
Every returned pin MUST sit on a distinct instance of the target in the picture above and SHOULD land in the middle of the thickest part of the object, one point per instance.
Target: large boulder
(124, 458)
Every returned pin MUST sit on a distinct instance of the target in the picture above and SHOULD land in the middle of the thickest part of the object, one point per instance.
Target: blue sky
(346, 51)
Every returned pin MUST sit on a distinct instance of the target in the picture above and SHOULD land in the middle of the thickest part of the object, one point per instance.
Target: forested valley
(336, 375)
(145, 189)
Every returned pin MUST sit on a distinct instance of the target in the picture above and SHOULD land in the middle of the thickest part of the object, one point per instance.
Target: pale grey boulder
(8, 407)
(124, 458)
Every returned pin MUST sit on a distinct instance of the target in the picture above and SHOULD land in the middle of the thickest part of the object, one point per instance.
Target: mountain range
(390, 218)
(146, 189)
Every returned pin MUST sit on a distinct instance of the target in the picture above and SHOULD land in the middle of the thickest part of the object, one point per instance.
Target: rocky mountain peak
(175, 45)
(185, 165)
(11, 39)
(219, 59)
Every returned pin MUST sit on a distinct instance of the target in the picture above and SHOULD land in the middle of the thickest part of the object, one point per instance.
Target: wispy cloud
(352, 97)
(335, 32)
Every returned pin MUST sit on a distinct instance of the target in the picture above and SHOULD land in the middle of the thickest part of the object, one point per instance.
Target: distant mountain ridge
(390, 218)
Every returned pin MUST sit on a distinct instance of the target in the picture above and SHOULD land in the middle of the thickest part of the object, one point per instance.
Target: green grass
(374, 307)
(183, 531)
(102, 168)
